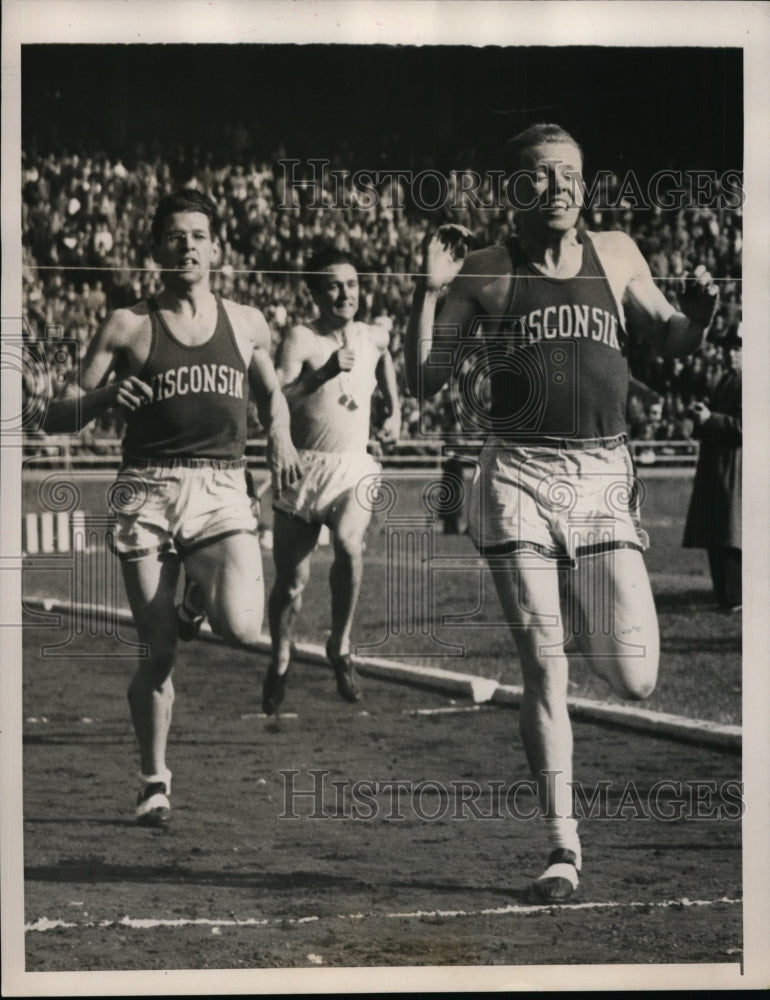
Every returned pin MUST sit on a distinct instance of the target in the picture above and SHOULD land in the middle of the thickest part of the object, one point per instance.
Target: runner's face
(187, 248)
(337, 294)
(552, 189)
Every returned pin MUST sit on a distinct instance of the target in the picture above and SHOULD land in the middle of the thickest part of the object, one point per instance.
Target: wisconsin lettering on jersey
(556, 322)
(222, 380)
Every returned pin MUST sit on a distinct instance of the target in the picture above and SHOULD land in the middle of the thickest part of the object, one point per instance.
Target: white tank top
(336, 416)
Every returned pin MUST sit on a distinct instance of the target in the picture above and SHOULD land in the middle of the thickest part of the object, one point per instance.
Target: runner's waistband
(568, 444)
(130, 461)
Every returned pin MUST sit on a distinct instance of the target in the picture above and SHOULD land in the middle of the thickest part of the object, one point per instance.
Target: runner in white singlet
(329, 369)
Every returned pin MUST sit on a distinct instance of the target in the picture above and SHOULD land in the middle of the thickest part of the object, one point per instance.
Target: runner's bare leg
(348, 521)
(613, 620)
(293, 544)
(151, 586)
(528, 587)
(230, 585)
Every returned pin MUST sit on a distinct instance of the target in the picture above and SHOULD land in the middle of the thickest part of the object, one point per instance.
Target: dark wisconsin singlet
(200, 396)
(557, 362)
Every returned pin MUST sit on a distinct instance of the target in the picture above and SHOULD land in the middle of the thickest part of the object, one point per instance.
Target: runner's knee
(348, 545)
(240, 634)
(640, 691)
(239, 628)
(162, 656)
(633, 678)
(632, 660)
(639, 685)
(153, 673)
(291, 583)
(539, 642)
(544, 671)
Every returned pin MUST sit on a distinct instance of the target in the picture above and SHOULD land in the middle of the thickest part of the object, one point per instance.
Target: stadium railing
(63, 452)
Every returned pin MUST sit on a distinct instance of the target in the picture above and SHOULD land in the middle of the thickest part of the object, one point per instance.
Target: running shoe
(348, 684)
(273, 690)
(152, 805)
(560, 879)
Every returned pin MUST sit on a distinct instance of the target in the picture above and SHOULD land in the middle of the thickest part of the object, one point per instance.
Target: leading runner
(180, 365)
(554, 488)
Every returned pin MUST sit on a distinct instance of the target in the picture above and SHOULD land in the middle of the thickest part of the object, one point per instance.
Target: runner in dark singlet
(198, 392)
(554, 489)
(181, 366)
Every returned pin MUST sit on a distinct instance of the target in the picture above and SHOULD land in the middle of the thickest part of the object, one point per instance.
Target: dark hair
(323, 259)
(536, 135)
(186, 200)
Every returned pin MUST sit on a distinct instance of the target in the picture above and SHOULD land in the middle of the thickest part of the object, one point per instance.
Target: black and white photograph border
(550, 23)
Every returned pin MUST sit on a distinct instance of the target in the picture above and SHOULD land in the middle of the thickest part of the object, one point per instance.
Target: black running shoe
(273, 690)
(152, 805)
(560, 879)
(348, 684)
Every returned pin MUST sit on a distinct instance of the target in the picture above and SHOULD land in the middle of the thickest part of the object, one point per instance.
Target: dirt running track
(231, 885)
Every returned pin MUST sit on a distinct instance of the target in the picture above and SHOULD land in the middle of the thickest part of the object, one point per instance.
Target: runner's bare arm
(296, 376)
(385, 373)
(428, 372)
(84, 401)
(672, 332)
(282, 457)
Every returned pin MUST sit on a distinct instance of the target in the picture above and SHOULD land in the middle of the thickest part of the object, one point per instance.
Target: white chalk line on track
(149, 923)
(263, 715)
(448, 710)
(480, 690)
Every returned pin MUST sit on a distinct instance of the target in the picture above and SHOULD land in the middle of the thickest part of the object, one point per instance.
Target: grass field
(700, 674)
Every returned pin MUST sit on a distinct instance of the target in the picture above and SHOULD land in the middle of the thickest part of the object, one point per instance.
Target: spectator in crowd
(87, 210)
(714, 517)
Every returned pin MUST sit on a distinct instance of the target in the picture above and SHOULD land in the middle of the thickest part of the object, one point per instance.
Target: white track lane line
(446, 710)
(135, 923)
(247, 716)
(480, 689)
